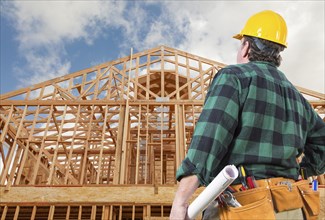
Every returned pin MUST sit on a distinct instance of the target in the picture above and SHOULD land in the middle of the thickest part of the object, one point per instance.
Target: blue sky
(41, 40)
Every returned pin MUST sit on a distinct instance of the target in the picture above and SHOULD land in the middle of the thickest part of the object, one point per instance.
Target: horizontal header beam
(51, 195)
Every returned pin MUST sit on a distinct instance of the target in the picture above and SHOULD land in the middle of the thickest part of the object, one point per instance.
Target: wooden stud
(133, 212)
(59, 128)
(83, 168)
(51, 212)
(118, 153)
(147, 172)
(5, 128)
(80, 213)
(126, 126)
(99, 171)
(93, 212)
(68, 163)
(120, 212)
(4, 213)
(33, 212)
(16, 212)
(138, 149)
(38, 161)
(14, 165)
(111, 212)
(67, 215)
(12, 149)
(19, 131)
(162, 126)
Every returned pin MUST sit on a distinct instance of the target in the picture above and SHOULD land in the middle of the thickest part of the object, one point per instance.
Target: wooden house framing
(104, 142)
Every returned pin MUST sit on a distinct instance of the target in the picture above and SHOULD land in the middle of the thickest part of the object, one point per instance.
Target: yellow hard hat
(266, 25)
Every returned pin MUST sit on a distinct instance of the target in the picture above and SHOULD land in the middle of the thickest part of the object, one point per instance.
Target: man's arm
(314, 159)
(186, 188)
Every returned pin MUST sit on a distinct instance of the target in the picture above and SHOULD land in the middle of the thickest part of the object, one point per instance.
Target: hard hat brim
(238, 36)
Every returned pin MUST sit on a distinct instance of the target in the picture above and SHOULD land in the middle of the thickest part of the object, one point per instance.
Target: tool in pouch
(288, 183)
(242, 178)
(228, 198)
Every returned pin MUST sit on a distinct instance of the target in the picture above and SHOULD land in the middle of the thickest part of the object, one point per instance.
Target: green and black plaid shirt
(253, 116)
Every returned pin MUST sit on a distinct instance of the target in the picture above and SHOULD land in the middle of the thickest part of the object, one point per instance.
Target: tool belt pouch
(286, 197)
(311, 200)
(256, 204)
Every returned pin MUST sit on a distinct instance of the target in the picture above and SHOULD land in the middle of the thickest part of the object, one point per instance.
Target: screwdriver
(242, 177)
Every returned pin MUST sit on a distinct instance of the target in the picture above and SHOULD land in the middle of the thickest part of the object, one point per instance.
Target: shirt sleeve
(314, 153)
(214, 130)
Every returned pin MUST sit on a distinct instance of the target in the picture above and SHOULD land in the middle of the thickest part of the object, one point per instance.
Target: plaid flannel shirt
(253, 116)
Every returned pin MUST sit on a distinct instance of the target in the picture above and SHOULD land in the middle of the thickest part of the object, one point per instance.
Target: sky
(42, 40)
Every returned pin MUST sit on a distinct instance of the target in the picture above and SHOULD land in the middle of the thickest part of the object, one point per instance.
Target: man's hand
(186, 188)
(178, 212)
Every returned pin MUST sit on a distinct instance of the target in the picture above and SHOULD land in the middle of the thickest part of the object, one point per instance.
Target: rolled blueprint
(213, 190)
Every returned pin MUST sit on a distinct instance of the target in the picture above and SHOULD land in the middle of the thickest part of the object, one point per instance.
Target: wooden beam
(311, 92)
(118, 151)
(4, 213)
(7, 121)
(33, 212)
(54, 158)
(60, 102)
(98, 77)
(39, 156)
(130, 194)
(137, 156)
(99, 171)
(95, 102)
(11, 148)
(16, 213)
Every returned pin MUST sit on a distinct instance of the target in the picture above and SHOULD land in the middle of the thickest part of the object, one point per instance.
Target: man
(253, 117)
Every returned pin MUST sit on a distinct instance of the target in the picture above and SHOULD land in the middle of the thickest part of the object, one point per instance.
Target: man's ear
(245, 49)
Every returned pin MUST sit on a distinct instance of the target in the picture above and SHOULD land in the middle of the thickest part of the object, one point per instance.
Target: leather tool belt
(274, 194)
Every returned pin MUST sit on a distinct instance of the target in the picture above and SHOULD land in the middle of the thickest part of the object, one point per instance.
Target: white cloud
(44, 67)
(44, 28)
(204, 28)
(42, 23)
